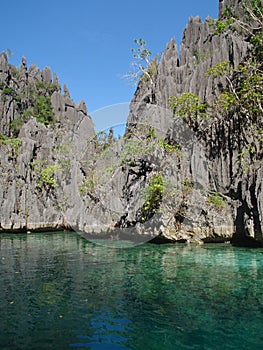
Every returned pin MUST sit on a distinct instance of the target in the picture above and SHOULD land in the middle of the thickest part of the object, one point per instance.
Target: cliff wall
(224, 199)
(168, 179)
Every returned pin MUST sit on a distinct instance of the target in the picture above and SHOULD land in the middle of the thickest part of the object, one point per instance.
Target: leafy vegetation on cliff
(242, 86)
(243, 93)
(153, 194)
(22, 98)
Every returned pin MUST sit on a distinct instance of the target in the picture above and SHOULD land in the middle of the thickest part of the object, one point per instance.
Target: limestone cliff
(217, 180)
(169, 179)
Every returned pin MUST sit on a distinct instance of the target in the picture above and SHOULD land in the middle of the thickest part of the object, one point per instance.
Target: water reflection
(108, 331)
(59, 291)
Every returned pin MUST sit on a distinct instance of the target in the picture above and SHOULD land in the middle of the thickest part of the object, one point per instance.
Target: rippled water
(58, 291)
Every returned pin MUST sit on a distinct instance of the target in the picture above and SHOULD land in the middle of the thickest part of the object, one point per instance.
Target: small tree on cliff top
(244, 83)
(142, 66)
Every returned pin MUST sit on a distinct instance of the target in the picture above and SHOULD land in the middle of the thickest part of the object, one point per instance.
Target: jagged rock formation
(235, 5)
(32, 152)
(167, 180)
(211, 152)
(48, 154)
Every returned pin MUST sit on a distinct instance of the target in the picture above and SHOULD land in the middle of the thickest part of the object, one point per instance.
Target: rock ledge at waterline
(59, 175)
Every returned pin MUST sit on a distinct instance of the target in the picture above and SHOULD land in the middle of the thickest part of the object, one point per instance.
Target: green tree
(244, 84)
(142, 66)
(188, 106)
(242, 97)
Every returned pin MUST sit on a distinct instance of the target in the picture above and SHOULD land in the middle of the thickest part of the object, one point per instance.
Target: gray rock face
(3, 63)
(40, 164)
(234, 5)
(212, 161)
(58, 174)
(46, 75)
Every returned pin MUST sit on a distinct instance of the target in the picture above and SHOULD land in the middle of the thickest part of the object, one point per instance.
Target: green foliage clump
(151, 71)
(8, 91)
(254, 12)
(243, 92)
(151, 133)
(45, 174)
(153, 194)
(141, 51)
(138, 144)
(244, 88)
(246, 154)
(13, 144)
(250, 89)
(216, 200)
(188, 105)
(219, 70)
(169, 147)
(187, 184)
(135, 149)
(221, 25)
(88, 186)
(226, 101)
(43, 110)
(249, 24)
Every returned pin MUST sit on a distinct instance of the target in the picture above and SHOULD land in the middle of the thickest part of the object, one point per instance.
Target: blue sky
(88, 43)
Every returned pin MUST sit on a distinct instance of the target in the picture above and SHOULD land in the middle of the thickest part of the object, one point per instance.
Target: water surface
(58, 291)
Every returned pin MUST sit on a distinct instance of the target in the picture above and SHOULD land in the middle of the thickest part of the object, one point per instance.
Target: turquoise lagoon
(59, 291)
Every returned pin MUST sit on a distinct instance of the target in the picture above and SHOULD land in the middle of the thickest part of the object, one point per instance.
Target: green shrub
(13, 144)
(45, 174)
(43, 110)
(89, 185)
(169, 147)
(216, 200)
(153, 194)
(188, 105)
(8, 91)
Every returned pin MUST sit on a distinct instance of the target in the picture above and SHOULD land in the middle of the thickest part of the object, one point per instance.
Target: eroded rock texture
(214, 155)
(168, 179)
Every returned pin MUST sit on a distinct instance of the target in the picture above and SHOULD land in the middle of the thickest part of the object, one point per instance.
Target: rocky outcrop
(38, 158)
(234, 5)
(170, 179)
(54, 170)
(223, 201)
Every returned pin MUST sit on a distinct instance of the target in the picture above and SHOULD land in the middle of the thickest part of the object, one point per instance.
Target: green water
(58, 291)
